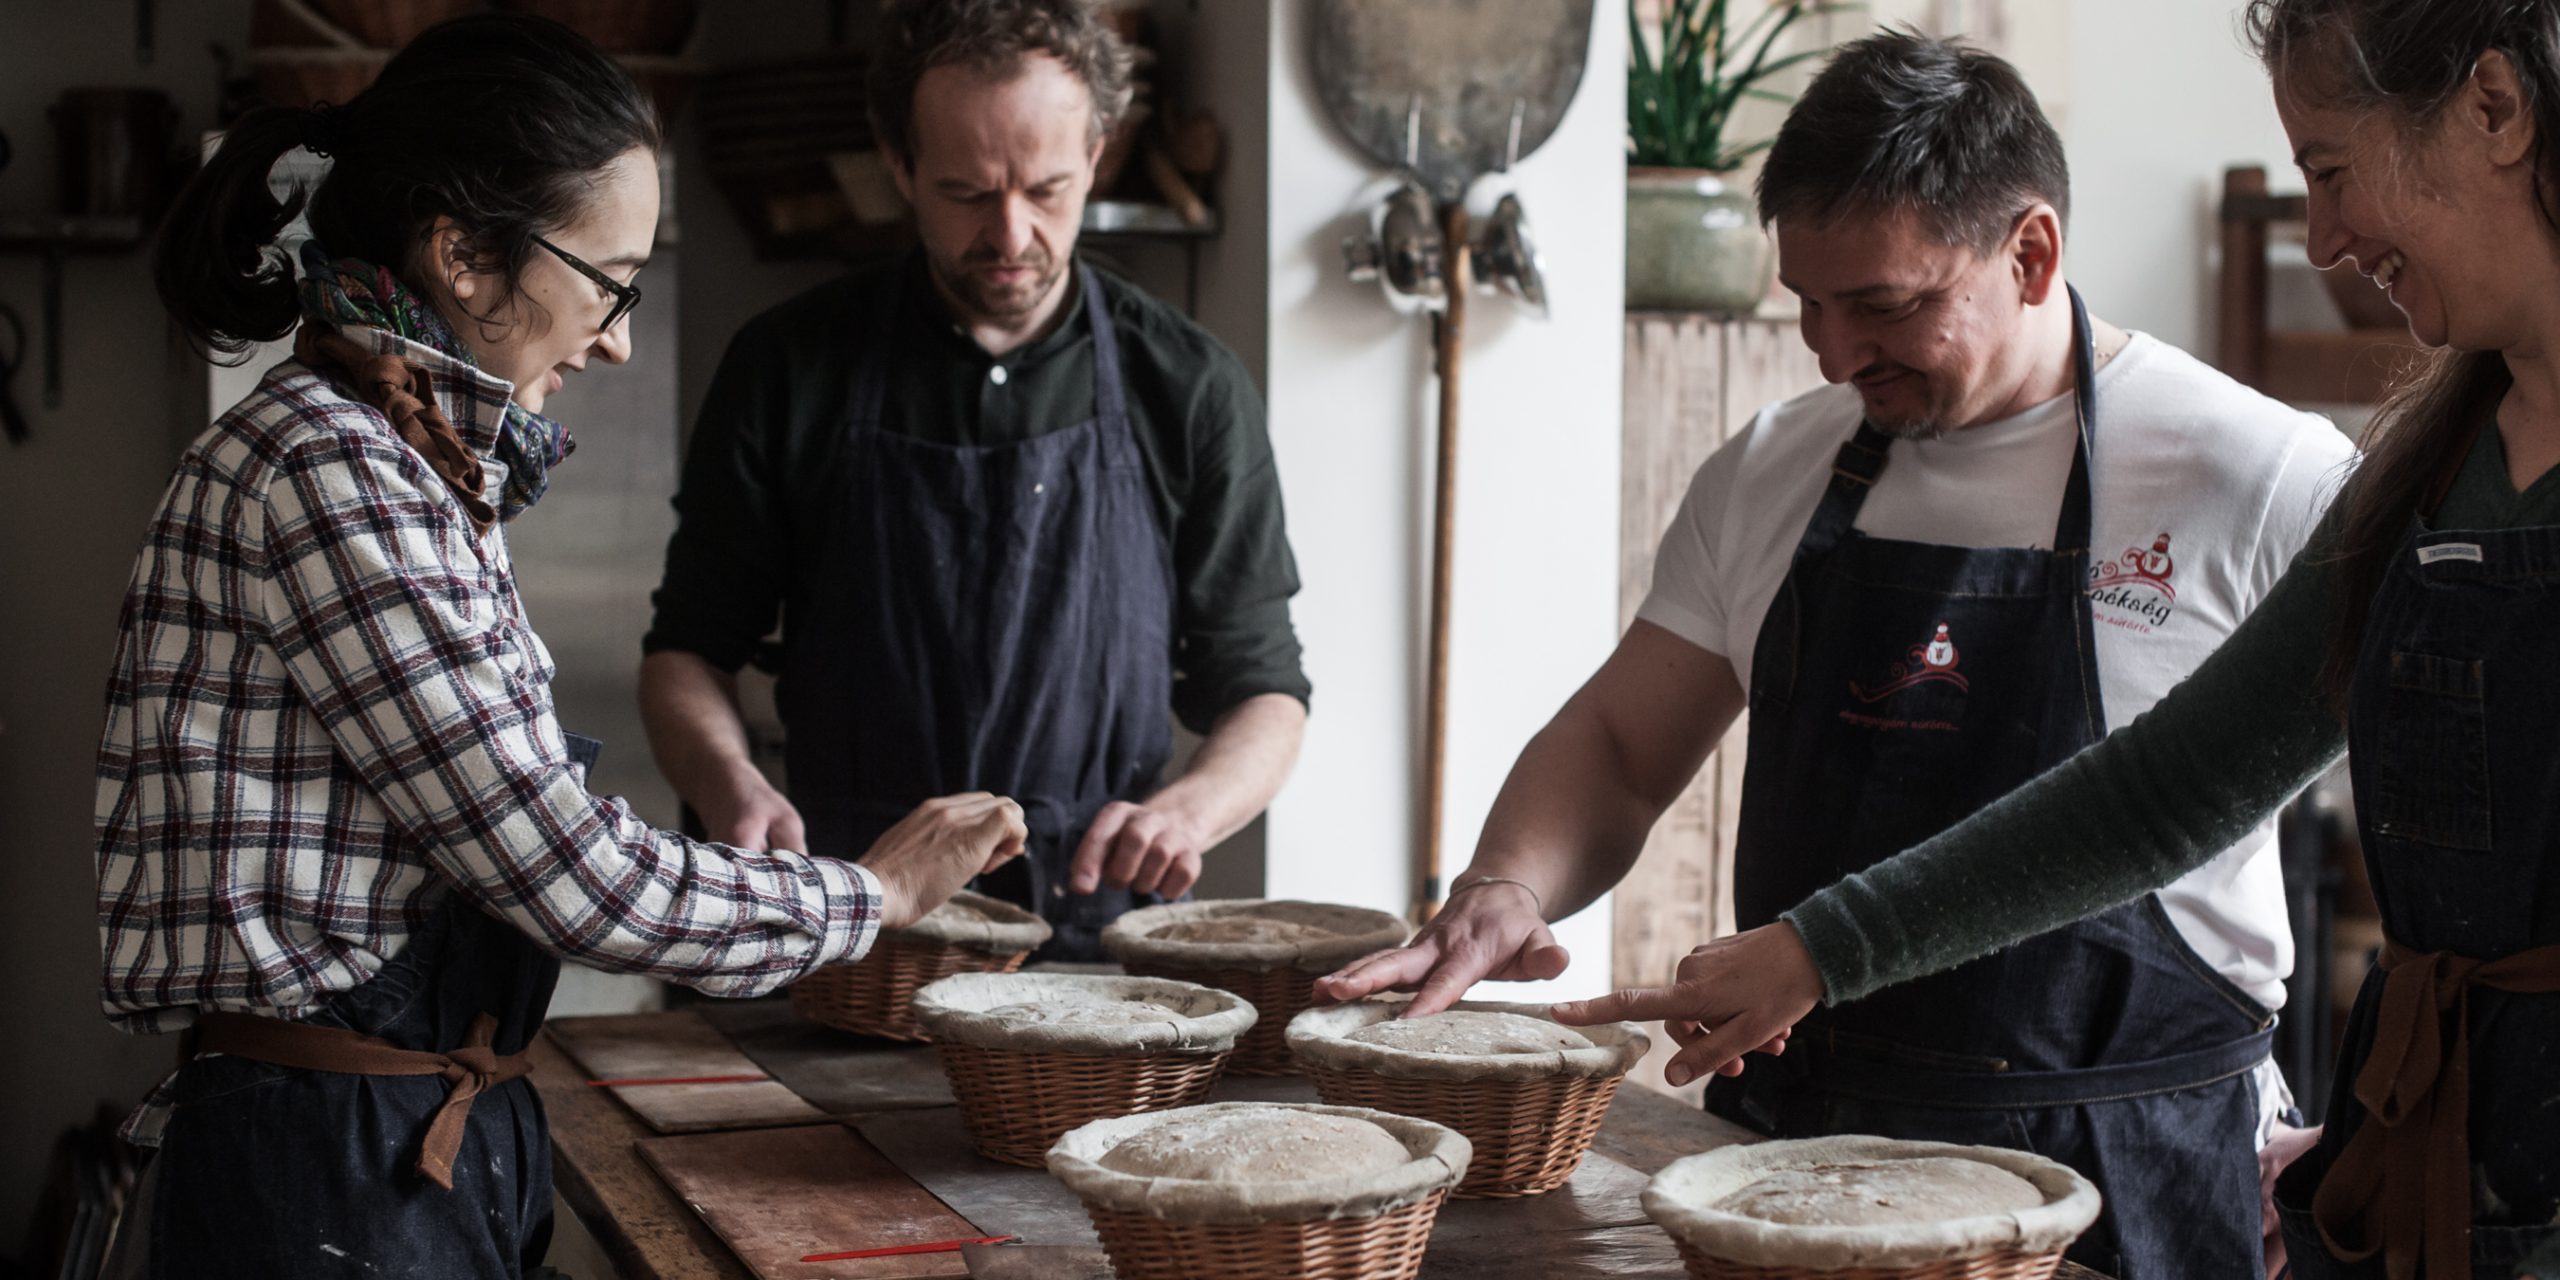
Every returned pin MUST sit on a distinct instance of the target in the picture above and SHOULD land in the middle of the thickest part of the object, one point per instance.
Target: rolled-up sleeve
(728, 563)
(412, 654)
(1234, 639)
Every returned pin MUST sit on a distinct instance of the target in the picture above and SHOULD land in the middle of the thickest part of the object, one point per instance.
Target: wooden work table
(1591, 1229)
(652, 1235)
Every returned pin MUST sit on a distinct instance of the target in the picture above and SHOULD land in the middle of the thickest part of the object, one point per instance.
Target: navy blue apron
(986, 618)
(2454, 748)
(1897, 688)
(274, 1173)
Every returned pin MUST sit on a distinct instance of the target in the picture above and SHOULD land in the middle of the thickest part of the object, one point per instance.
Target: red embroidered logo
(1931, 663)
(2145, 567)
(2135, 587)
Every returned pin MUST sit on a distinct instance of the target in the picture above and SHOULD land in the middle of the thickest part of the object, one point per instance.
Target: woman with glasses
(341, 834)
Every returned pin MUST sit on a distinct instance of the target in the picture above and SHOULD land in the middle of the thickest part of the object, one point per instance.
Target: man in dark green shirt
(1014, 514)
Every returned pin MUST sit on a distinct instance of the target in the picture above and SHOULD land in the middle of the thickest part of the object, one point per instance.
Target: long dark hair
(497, 121)
(2408, 61)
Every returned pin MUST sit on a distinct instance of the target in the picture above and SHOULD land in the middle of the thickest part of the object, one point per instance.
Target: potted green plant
(1693, 242)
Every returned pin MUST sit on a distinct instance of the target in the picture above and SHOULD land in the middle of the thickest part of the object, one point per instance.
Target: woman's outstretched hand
(1731, 997)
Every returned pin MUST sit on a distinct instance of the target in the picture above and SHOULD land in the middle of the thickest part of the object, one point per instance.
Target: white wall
(1353, 404)
(2163, 96)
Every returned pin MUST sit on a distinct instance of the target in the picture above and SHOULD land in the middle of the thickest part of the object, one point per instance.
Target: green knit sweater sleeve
(2156, 799)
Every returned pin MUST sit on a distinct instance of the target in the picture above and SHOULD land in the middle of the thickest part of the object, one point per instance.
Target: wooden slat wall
(1690, 383)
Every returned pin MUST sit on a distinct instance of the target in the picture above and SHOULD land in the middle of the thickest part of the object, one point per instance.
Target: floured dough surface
(1084, 1013)
(1472, 1032)
(1239, 929)
(1928, 1189)
(1254, 1145)
(957, 911)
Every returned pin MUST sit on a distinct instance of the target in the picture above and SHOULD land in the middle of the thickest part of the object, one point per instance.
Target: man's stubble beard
(985, 304)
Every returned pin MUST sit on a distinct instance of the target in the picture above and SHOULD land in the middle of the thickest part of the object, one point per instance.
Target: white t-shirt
(2204, 490)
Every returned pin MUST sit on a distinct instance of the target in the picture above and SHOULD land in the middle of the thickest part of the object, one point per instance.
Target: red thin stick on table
(616, 1084)
(938, 1246)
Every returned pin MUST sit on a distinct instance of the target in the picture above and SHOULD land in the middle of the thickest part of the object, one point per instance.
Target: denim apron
(274, 1173)
(2454, 750)
(986, 618)
(1897, 688)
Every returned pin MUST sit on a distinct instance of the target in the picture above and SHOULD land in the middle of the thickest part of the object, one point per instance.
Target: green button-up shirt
(751, 499)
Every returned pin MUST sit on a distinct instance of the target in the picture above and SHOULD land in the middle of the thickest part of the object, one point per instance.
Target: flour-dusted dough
(1238, 929)
(1269, 1144)
(1792, 1204)
(1248, 1162)
(1472, 1031)
(979, 923)
(1082, 1013)
(1254, 934)
(1474, 1040)
(1883, 1193)
(1091, 1014)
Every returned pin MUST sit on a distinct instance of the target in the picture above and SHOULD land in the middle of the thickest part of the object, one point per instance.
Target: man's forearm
(1568, 822)
(690, 709)
(1239, 767)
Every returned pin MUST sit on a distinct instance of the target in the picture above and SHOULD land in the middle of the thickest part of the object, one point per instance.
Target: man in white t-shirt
(2005, 529)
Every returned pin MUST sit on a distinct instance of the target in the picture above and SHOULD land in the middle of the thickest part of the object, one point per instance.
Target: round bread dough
(1472, 1032)
(1084, 1013)
(1929, 1189)
(1239, 929)
(956, 910)
(1258, 1145)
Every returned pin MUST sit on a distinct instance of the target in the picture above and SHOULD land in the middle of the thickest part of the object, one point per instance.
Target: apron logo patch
(2450, 551)
(1930, 663)
(2136, 586)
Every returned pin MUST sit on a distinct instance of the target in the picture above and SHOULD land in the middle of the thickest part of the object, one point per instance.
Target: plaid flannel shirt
(327, 711)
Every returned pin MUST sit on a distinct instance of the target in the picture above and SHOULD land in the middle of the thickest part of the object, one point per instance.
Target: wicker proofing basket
(1530, 1135)
(1530, 1116)
(1386, 1247)
(1279, 994)
(1017, 1104)
(871, 997)
(2011, 1244)
(1371, 1225)
(1997, 1266)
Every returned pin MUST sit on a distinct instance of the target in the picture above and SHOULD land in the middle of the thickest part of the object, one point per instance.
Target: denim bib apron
(2454, 749)
(1897, 688)
(994, 618)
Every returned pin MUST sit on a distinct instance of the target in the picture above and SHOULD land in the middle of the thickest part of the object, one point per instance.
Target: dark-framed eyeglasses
(625, 296)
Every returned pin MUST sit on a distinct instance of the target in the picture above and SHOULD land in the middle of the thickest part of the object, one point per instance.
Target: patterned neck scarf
(345, 292)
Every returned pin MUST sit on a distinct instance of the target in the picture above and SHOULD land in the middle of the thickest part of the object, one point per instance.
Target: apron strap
(472, 1068)
(2071, 531)
(2403, 1183)
(1834, 1061)
(1110, 391)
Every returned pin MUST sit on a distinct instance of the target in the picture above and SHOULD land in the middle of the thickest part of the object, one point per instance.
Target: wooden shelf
(1142, 218)
(49, 233)
(55, 237)
(2335, 366)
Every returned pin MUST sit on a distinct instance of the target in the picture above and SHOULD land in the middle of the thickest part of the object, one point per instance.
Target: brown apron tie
(2403, 1183)
(471, 1069)
(405, 394)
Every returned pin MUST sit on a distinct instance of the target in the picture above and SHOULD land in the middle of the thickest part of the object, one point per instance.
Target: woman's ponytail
(217, 264)
(499, 122)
